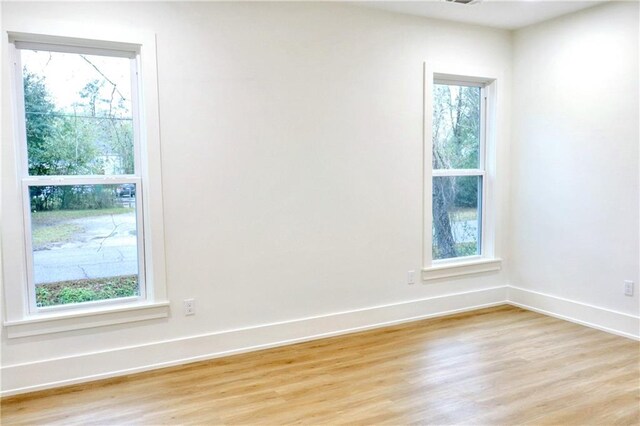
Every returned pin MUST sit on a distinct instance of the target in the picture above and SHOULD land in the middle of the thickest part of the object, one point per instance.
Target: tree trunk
(444, 193)
(442, 197)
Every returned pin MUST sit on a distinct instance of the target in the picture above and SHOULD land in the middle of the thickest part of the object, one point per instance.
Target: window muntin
(458, 170)
(81, 177)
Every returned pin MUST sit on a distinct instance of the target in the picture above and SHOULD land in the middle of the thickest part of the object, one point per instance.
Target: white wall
(292, 163)
(575, 183)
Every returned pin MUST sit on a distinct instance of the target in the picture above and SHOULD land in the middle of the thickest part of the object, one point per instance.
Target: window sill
(80, 319)
(446, 270)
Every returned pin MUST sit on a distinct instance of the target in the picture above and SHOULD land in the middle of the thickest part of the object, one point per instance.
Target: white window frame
(22, 316)
(487, 260)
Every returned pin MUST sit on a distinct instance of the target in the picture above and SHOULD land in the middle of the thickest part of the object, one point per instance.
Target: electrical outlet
(628, 288)
(189, 306)
(411, 277)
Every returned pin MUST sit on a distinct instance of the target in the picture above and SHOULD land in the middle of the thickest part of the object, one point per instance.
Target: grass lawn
(464, 214)
(44, 235)
(86, 290)
(462, 249)
(52, 217)
(52, 227)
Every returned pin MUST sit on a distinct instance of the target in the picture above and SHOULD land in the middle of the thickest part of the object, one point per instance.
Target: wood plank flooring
(500, 365)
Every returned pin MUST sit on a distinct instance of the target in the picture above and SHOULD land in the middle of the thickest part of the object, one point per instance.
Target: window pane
(457, 221)
(456, 127)
(78, 114)
(84, 240)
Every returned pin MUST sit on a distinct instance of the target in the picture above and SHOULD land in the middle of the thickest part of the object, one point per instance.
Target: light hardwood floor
(501, 365)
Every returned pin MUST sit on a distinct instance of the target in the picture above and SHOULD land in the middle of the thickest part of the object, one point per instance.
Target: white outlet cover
(628, 288)
(189, 306)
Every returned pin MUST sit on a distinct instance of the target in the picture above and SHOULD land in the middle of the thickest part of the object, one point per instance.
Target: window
(83, 226)
(458, 169)
(458, 206)
(83, 181)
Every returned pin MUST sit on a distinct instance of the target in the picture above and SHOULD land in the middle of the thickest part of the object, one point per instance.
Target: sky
(66, 74)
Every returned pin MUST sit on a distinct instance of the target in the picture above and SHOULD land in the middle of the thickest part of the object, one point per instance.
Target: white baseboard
(45, 374)
(581, 313)
(51, 373)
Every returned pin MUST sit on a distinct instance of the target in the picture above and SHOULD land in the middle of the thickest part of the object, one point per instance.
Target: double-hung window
(81, 177)
(458, 169)
(458, 178)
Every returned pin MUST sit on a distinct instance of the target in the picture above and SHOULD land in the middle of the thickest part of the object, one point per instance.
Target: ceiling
(492, 13)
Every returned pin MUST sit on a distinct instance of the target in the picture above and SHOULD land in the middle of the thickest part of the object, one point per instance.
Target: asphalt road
(106, 247)
(66, 264)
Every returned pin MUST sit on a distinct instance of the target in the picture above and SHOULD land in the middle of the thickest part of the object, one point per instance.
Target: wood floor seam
(499, 365)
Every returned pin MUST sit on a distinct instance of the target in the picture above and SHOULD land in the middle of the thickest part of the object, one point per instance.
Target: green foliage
(461, 249)
(43, 296)
(41, 125)
(456, 142)
(456, 127)
(466, 249)
(72, 197)
(75, 143)
(88, 290)
(57, 144)
(456, 145)
(76, 295)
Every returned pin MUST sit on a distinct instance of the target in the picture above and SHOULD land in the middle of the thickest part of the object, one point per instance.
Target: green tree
(41, 122)
(41, 125)
(113, 130)
(456, 135)
(60, 143)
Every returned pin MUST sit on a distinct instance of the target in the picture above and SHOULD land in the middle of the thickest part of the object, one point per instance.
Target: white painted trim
(50, 373)
(140, 46)
(427, 164)
(80, 180)
(457, 172)
(459, 80)
(56, 322)
(592, 316)
(460, 267)
(63, 44)
(56, 372)
(444, 74)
